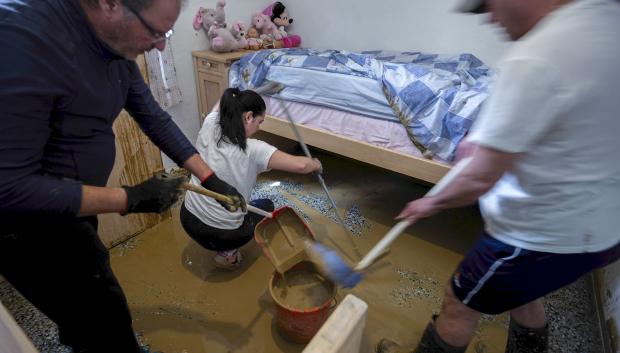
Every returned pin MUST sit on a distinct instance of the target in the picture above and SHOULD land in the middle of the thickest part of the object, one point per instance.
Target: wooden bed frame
(212, 71)
(416, 167)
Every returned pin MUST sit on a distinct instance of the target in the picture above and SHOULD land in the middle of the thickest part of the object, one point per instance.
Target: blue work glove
(213, 183)
(335, 267)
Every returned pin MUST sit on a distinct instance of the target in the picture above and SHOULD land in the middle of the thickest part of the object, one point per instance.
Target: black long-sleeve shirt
(60, 91)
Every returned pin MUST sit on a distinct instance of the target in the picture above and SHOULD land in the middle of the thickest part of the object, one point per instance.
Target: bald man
(544, 168)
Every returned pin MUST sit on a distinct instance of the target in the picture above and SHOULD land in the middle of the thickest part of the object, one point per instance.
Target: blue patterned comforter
(436, 97)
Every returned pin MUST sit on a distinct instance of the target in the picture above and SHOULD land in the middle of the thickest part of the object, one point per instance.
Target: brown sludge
(182, 304)
(304, 289)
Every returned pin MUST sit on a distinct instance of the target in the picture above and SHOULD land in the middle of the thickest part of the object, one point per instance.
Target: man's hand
(418, 209)
(156, 194)
(465, 149)
(216, 184)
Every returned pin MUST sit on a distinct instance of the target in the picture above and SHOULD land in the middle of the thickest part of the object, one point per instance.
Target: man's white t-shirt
(557, 101)
(233, 165)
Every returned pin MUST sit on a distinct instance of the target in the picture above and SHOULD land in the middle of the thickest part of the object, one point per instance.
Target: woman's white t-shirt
(233, 165)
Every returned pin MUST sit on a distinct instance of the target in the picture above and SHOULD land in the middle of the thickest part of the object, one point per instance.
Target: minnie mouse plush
(280, 17)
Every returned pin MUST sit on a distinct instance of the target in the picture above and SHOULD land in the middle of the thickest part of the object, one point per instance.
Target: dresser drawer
(207, 65)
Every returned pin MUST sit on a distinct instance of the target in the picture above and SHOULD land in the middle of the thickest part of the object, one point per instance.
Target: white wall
(415, 25)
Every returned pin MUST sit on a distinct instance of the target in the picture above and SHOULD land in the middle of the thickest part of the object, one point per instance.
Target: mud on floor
(181, 304)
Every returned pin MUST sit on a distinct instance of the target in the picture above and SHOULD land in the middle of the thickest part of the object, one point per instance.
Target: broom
(334, 267)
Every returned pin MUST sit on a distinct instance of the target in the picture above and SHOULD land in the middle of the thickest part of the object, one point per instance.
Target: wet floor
(181, 303)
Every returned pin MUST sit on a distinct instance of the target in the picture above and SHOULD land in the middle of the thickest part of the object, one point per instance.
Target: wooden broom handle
(397, 230)
(207, 192)
(223, 198)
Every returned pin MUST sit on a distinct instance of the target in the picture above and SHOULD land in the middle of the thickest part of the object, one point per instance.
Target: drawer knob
(207, 64)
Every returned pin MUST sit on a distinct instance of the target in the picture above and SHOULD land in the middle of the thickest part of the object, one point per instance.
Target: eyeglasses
(157, 36)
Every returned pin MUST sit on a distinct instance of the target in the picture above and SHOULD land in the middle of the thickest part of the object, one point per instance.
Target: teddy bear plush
(224, 40)
(239, 31)
(206, 18)
(267, 28)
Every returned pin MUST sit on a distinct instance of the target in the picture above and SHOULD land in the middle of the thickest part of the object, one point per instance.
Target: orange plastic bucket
(299, 325)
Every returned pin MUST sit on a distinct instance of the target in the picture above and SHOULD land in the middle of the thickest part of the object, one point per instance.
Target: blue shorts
(495, 277)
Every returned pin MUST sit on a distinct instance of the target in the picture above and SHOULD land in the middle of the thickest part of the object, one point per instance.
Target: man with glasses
(66, 71)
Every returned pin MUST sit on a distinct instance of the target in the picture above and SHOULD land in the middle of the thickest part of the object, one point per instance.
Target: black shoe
(527, 340)
(432, 343)
(388, 346)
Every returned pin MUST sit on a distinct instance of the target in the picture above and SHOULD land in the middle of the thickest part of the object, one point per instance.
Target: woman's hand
(318, 166)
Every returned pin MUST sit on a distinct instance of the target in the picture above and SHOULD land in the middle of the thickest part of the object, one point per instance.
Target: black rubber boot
(388, 346)
(430, 343)
(527, 340)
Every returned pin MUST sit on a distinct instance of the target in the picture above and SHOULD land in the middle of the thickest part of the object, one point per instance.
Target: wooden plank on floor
(12, 338)
(342, 332)
(607, 328)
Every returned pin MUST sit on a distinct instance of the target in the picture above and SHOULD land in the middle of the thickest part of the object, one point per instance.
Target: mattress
(353, 94)
(435, 97)
(382, 133)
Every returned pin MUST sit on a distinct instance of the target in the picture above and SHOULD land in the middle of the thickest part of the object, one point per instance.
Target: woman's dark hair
(233, 104)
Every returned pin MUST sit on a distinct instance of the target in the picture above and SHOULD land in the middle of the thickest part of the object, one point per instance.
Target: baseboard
(607, 337)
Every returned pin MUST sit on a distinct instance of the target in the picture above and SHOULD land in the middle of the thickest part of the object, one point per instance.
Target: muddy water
(303, 289)
(182, 304)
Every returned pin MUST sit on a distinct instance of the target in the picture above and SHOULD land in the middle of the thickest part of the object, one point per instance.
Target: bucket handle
(333, 304)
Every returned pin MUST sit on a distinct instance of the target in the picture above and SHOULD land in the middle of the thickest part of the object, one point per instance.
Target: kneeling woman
(224, 143)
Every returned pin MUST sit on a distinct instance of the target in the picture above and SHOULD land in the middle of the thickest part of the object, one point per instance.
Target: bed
(405, 112)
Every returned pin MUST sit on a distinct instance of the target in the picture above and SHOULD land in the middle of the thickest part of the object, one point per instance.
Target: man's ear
(111, 8)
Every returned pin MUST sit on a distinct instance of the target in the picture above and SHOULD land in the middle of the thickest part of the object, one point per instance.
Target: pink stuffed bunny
(265, 26)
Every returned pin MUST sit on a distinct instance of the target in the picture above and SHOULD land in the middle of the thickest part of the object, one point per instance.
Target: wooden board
(221, 57)
(137, 158)
(417, 167)
(342, 332)
(12, 338)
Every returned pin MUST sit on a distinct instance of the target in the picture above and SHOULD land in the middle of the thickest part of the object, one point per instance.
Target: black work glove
(156, 194)
(218, 185)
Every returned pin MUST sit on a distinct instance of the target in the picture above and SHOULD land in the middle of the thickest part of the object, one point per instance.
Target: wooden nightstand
(211, 70)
